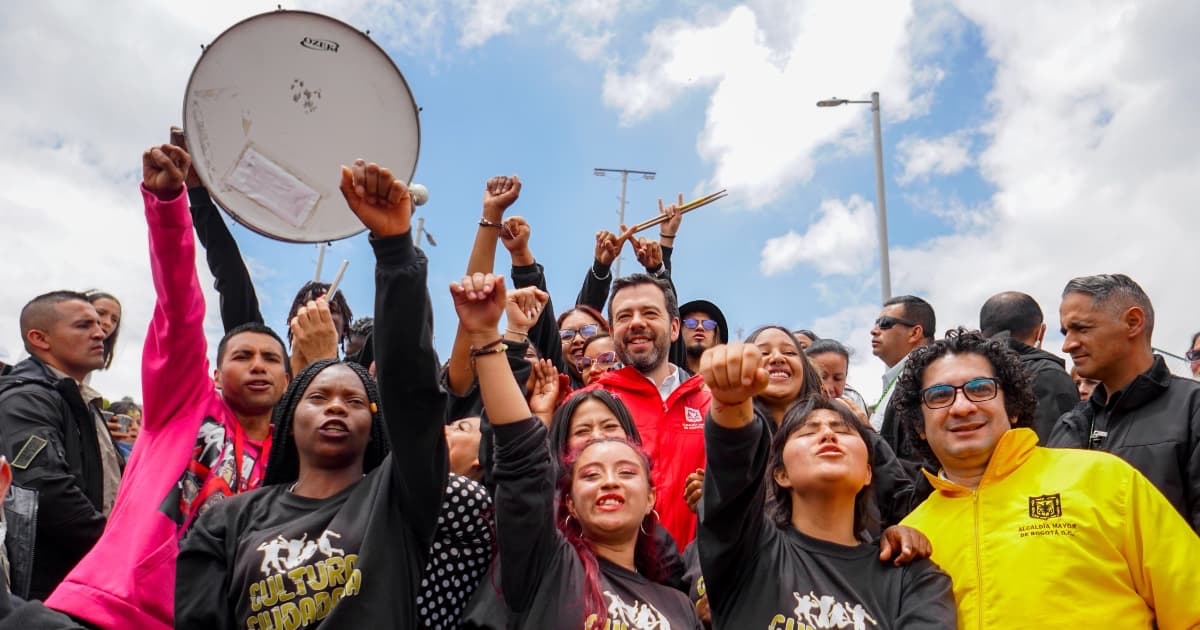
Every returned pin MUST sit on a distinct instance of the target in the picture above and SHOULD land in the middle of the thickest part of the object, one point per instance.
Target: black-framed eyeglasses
(887, 322)
(587, 331)
(980, 389)
(692, 323)
(1192, 355)
(604, 358)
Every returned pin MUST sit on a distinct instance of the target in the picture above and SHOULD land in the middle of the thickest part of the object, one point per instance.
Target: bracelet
(598, 277)
(522, 335)
(492, 348)
(665, 235)
(483, 222)
(484, 348)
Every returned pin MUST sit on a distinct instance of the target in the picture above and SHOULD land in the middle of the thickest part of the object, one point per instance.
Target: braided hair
(313, 290)
(283, 465)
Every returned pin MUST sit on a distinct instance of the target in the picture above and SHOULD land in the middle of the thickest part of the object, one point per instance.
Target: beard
(695, 349)
(648, 360)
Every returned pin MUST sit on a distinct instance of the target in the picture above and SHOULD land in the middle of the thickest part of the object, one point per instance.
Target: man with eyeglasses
(703, 327)
(1139, 411)
(1035, 536)
(668, 405)
(906, 323)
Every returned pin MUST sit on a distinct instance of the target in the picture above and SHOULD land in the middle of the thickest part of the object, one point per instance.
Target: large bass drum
(277, 103)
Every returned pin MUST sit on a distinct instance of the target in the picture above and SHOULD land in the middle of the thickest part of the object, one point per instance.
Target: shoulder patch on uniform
(28, 452)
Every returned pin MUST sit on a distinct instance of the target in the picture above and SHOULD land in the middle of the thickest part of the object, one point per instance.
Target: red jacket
(673, 436)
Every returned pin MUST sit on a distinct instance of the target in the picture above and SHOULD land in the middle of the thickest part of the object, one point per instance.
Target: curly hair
(283, 465)
(313, 290)
(1015, 382)
(645, 554)
(779, 499)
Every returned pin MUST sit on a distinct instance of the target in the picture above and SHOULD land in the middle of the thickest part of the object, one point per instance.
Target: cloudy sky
(1022, 148)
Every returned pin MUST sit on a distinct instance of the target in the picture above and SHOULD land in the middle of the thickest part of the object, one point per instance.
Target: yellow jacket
(1062, 538)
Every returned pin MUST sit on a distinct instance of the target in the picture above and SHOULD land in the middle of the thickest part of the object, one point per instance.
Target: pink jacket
(128, 578)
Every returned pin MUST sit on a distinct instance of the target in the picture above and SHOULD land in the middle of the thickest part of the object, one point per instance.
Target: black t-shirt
(541, 577)
(758, 575)
(269, 555)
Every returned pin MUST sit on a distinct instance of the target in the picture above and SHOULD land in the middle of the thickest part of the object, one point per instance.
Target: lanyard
(887, 390)
(239, 448)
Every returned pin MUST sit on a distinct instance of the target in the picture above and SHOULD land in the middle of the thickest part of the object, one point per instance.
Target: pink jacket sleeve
(174, 361)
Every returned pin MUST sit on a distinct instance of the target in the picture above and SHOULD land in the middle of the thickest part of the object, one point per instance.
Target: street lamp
(885, 272)
(600, 172)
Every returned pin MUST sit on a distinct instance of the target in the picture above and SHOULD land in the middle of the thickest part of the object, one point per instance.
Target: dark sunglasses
(586, 332)
(604, 358)
(1192, 355)
(887, 322)
(977, 390)
(692, 323)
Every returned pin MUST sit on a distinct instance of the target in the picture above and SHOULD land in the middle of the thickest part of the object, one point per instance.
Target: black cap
(710, 309)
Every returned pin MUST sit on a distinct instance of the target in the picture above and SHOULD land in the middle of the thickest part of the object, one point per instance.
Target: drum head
(277, 103)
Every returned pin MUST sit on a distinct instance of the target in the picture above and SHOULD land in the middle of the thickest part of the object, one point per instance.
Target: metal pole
(621, 221)
(885, 271)
(420, 229)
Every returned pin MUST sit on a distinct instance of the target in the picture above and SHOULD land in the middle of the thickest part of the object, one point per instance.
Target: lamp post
(885, 272)
(600, 172)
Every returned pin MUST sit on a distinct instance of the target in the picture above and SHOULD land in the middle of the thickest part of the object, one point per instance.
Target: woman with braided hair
(343, 531)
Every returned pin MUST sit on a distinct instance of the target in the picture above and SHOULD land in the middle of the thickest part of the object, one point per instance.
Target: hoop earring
(642, 528)
(567, 522)
(655, 513)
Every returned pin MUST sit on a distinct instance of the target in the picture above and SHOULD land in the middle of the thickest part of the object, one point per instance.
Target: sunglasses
(976, 390)
(1192, 355)
(586, 332)
(888, 322)
(604, 358)
(692, 323)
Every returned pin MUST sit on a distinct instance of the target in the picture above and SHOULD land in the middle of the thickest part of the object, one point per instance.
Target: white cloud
(921, 157)
(840, 242)
(766, 65)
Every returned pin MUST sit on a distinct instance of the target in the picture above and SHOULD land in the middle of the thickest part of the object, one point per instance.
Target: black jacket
(1154, 424)
(1056, 392)
(49, 435)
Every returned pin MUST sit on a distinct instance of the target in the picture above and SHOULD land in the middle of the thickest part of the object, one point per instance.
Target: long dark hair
(560, 428)
(779, 499)
(283, 466)
(812, 381)
(110, 342)
(645, 553)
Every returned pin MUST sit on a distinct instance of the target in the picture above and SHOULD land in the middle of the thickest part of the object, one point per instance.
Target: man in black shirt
(1139, 411)
(1018, 318)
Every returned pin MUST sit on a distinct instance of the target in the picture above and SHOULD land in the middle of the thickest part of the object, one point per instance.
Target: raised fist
(379, 200)
(163, 170)
(734, 372)
(500, 193)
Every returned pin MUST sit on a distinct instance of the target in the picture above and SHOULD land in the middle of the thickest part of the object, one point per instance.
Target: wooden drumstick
(685, 208)
(337, 279)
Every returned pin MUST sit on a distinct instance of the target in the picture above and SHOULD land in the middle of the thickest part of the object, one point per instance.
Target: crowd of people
(618, 464)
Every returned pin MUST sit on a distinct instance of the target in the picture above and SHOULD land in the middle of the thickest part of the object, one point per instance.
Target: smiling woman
(586, 555)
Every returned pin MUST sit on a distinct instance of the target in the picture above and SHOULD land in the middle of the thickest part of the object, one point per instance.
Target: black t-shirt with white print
(268, 558)
(540, 574)
(757, 575)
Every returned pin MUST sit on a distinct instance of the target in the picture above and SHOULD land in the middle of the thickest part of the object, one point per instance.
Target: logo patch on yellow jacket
(1045, 507)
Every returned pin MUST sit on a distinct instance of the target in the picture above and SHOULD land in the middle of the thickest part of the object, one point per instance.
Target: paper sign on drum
(277, 103)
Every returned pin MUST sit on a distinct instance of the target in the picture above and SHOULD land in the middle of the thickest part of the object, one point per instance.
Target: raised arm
(598, 279)
(736, 443)
(239, 302)
(527, 272)
(524, 497)
(499, 193)
(175, 358)
(405, 362)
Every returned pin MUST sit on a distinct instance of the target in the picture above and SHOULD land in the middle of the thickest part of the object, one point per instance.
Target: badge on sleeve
(28, 452)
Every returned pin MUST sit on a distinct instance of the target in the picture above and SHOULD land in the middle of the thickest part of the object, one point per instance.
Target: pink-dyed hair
(645, 554)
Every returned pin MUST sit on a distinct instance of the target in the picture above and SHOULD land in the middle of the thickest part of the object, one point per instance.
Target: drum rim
(203, 176)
